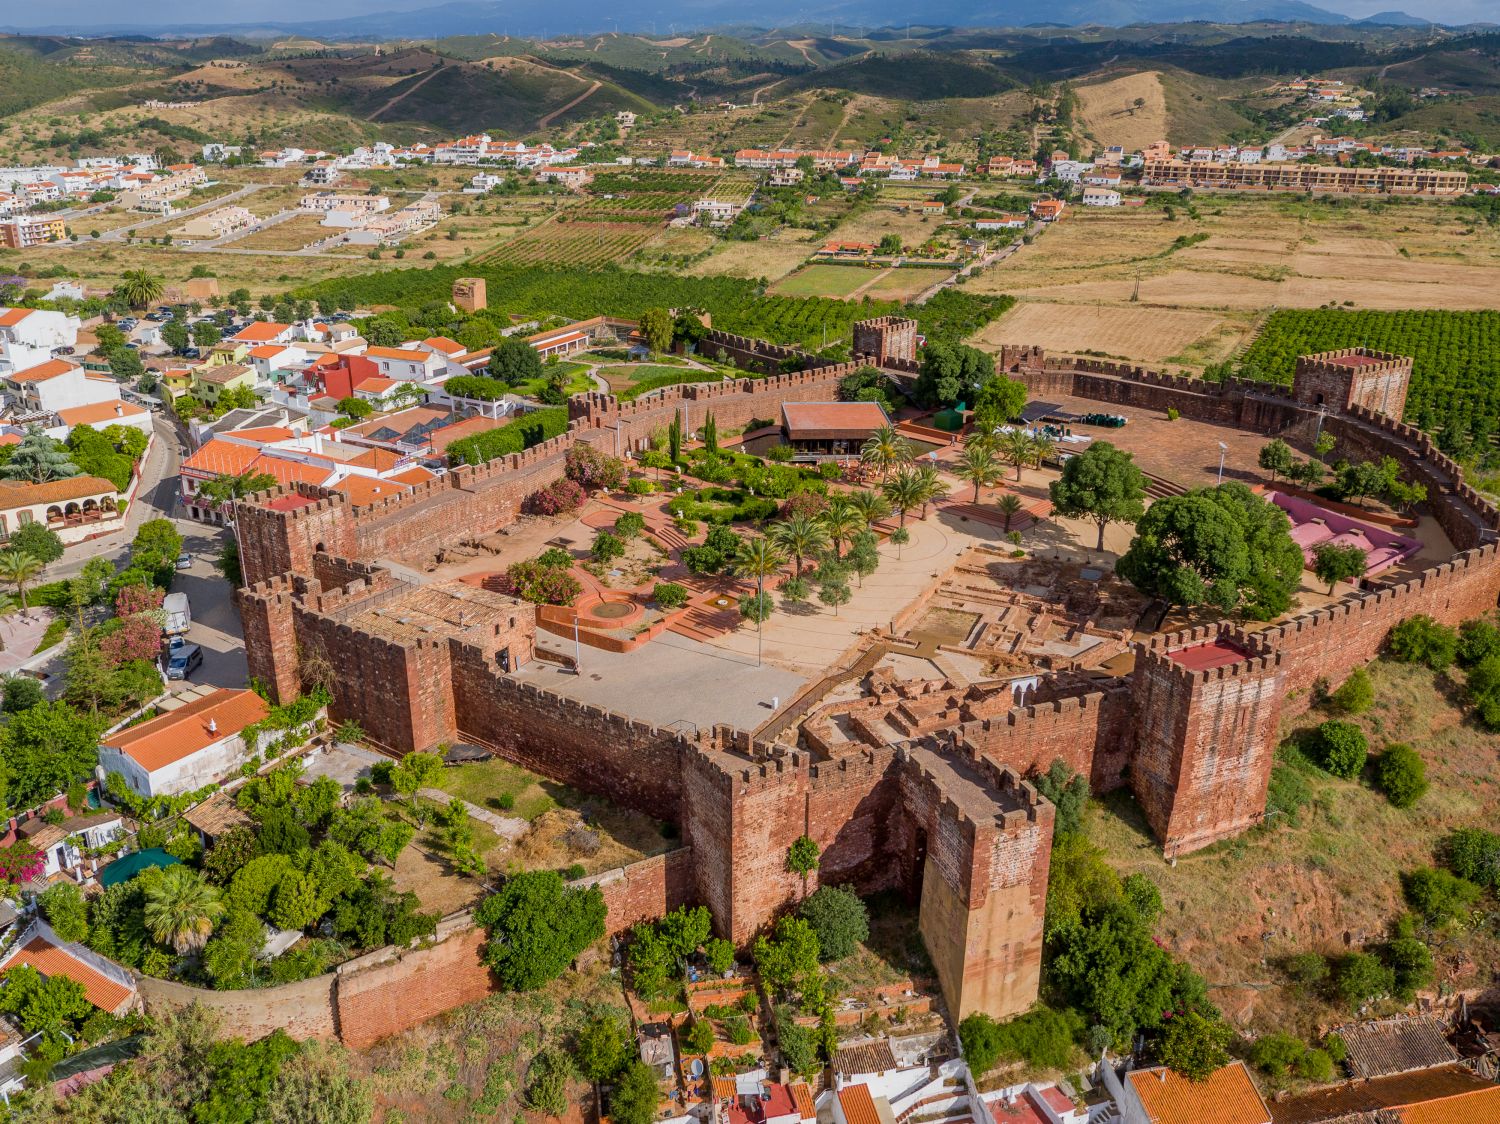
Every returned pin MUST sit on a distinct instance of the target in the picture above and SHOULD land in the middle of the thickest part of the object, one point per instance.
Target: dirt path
(413, 88)
(755, 97)
(590, 92)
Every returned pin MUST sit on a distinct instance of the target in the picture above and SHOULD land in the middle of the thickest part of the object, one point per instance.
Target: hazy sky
(83, 14)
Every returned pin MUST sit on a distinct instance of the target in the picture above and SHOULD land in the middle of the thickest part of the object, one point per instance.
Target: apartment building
(24, 231)
(1304, 177)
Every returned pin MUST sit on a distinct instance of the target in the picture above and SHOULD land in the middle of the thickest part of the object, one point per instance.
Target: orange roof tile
(262, 433)
(170, 737)
(262, 331)
(10, 317)
(858, 1105)
(725, 1088)
(221, 458)
(375, 385)
(1465, 1108)
(806, 1106)
(10, 439)
(269, 350)
(363, 490)
(15, 493)
(100, 411)
(381, 460)
(51, 960)
(289, 472)
(831, 416)
(397, 353)
(1228, 1096)
(444, 344)
(43, 371)
(415, 475)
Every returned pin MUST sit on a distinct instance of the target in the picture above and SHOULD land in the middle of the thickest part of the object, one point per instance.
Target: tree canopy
(1221, 546)
(537, 924)
(951, 373)
(1102, 484)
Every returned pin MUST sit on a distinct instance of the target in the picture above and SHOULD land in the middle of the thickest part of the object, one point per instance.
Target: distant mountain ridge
(562, 17)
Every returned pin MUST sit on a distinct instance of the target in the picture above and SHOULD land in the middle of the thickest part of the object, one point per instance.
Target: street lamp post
(1223, 449)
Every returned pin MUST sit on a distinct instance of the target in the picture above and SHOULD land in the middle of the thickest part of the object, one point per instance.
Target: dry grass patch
(292, 234)
(1108, 110)
(1330, 881)
(1134, 332)
(771, 258)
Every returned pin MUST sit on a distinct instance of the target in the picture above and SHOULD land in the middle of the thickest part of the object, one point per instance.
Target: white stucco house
(56, 842)
(59, 384)
(198, 743)
(37, 327)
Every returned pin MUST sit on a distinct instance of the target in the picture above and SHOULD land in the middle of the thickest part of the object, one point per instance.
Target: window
(25, 518)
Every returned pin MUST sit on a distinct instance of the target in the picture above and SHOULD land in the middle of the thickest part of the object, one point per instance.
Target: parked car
(184, 560)
(183, 660)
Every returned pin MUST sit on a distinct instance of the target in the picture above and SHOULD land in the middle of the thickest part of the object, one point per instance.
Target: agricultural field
(906, 283)
(874, 223)
(1134, 331)
(1258, 254)
(772, 257)
(1455, 355)
(836, 281)
(584, 244)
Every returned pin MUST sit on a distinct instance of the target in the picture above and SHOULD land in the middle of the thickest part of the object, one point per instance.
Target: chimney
(213, 726)
(119, 410)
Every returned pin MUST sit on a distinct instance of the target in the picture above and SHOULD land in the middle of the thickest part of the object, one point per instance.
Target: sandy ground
(1136, 331)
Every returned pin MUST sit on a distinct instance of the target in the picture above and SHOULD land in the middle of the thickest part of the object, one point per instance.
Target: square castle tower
(1353, 376)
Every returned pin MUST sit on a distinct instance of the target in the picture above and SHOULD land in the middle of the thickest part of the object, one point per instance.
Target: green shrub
(1401, 774)
(1308, 970)
(1477, 640)
(1335, 1048)
(1341, 748)
(1276, 1053)
(1439, 895)
(1356, 695)
(838, 917)
(1420, 639)
(629, 525)
(1289, 790)
(1483, 690)
(1316, 1066)
(607, 547)
(1359, 977)
(638, 486)
(1474, 854)
(669, 595)
(1042, 1037)
(1411, 965)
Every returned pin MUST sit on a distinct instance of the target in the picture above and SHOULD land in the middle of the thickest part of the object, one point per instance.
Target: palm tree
(904, 491)
(801, 536)
(181, 909)
(884, 450)
(1041, 448)
(1009, 505)
(872, 506)
(978, 466)
(139, 288)
(759, 559)
(1016, 447)
(841, 520)
(17, 567)
(932, 486)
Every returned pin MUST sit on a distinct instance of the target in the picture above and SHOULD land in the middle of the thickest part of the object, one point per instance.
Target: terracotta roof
(43, 371)
(100, 411)
(288, 472)
(221, 458)
(397, 353)
(1228, 1096)
(14, 493)
(265, 434)
(414, 475)
(868, 1057)
(1466, 1108)
(10, 439)
(444, 344)
(806, 1106)
(832, 417)
(1381, 1047)
(375, 385)
(366, 490)
(725, 1088)
(446, 435)
(180, 733)
(53, 960)
(1021, 1110)
(381, 460)
(1379, 1094)
(222, 374)
(858, 1105)
(269, 350)
(10, 317)
(217, 815)
(261, 331)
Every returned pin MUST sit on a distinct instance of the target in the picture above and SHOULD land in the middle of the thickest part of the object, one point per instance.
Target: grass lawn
(823, 281)
(578, 379)
(645, 377)
(488, 783)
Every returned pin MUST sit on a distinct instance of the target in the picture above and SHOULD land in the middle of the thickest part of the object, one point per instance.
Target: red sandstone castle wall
(1090, 733)
(632, 763)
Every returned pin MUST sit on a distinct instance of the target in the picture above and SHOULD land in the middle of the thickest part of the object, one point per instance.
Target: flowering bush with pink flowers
(20, 862)
(557, 498)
